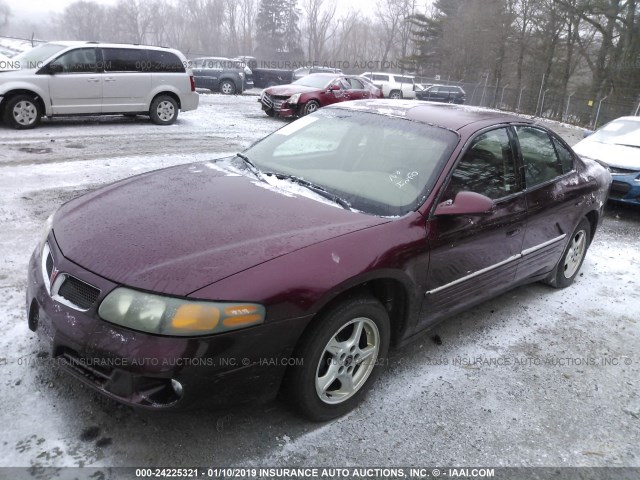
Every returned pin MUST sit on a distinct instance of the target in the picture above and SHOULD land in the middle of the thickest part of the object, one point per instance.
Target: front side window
(124, 60)
(356, 84)
(540, 161)
(81, 60)
(487, 168)
(380, 165)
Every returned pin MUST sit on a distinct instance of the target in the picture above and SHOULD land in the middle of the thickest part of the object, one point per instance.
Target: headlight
(175, 316)
(262, 94)
(46, 230)
(241, 75)
(293, 99)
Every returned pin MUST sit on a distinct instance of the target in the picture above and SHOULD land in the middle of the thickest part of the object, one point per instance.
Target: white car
(393, 85)
(90, 78)
(617, 146)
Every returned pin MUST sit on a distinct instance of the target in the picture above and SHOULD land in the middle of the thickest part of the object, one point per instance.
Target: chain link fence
(576, 107)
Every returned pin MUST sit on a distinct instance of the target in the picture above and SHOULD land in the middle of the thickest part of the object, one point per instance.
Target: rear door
(476, 256)
(358, 90)
(78, 88)
(127, 81)
(555, 194)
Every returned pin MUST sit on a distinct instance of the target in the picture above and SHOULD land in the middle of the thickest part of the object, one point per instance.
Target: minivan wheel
(395, 94)
(164, 110)
(573, 256)
(227, 87)
(339, 359)
(22, 112)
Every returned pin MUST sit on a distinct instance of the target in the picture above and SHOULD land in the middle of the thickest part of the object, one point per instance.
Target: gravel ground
(557, 384)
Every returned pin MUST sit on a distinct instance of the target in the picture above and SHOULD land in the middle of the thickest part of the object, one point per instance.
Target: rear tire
(573, 256)
(341, 355)
(164, 110)
(395, 94)
(22, 112)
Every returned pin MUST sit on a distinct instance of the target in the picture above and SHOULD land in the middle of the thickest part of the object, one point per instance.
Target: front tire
(164, 110)
(573, 256)
(341, 355)
(310, 107)
(22, 112)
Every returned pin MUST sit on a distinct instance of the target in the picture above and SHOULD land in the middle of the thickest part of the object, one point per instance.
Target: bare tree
(319, 25)
(5, 14)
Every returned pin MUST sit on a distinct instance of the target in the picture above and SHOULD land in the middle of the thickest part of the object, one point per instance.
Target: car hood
(611, 154)
(177, 230)
(288, 90)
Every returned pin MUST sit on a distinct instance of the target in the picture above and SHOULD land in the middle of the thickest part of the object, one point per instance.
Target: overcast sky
(21, 8)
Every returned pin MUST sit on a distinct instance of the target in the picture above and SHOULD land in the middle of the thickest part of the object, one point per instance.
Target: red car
(294, 265)
(308, 94)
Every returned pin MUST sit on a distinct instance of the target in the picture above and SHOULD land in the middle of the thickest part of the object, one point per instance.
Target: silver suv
(90, 78)
(393, 85)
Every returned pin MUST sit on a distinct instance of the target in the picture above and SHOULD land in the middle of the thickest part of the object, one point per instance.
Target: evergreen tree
(278, 33)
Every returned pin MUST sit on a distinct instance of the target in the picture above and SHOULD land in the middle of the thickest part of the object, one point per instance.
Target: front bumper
(152, 371)
(278, 106)
(625, 188)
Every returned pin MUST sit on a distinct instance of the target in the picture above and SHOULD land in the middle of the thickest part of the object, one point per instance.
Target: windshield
(316, 81)
(379, 165)
(621, 132)
(36, 57)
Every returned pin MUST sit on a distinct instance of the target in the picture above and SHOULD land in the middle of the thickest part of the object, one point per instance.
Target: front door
(476, 256)
(78, 88)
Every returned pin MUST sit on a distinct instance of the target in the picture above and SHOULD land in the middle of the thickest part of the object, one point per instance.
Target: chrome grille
(272, 102)
(65, 288)
(78, 292)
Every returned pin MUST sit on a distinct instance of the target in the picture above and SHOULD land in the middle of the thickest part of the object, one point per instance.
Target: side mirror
(55, 68)
(466, 203)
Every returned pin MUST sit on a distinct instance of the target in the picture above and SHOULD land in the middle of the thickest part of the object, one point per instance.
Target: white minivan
(91, 78)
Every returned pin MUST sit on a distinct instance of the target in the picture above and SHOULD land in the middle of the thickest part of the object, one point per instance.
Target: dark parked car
(296, 264)
(317, 90)
(220, 75)
(617, 146)
(442, 93)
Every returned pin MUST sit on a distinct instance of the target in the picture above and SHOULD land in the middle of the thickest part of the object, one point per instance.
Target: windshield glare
(621, 132)
(314, 81)
(380, 165)
(35, 57)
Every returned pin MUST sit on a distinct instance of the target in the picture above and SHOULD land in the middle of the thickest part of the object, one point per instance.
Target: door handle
(514, 232)
(110, 79)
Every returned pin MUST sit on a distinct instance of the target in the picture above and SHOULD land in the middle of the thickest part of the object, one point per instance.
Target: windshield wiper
(627, 145)
(251, 166)
(323, 192)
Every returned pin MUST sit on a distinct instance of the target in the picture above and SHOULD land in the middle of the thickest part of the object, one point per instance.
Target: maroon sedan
(317, 90)
(295, 265)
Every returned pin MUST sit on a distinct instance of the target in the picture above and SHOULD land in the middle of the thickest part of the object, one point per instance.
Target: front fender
(40, 90)
(300, 283)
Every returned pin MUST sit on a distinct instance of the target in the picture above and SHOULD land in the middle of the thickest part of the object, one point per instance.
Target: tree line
(556, 46)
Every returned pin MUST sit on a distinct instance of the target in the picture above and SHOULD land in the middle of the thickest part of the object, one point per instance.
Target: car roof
(68, 43)
(632, 119)
(445, 115)
(389, 73)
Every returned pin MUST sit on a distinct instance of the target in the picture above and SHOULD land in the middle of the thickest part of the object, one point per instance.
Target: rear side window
(539, 156)
(383, 78)
(161, 61)
(566, 158)
(124, 59)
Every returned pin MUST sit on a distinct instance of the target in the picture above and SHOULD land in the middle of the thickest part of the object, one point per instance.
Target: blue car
(617, 146)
